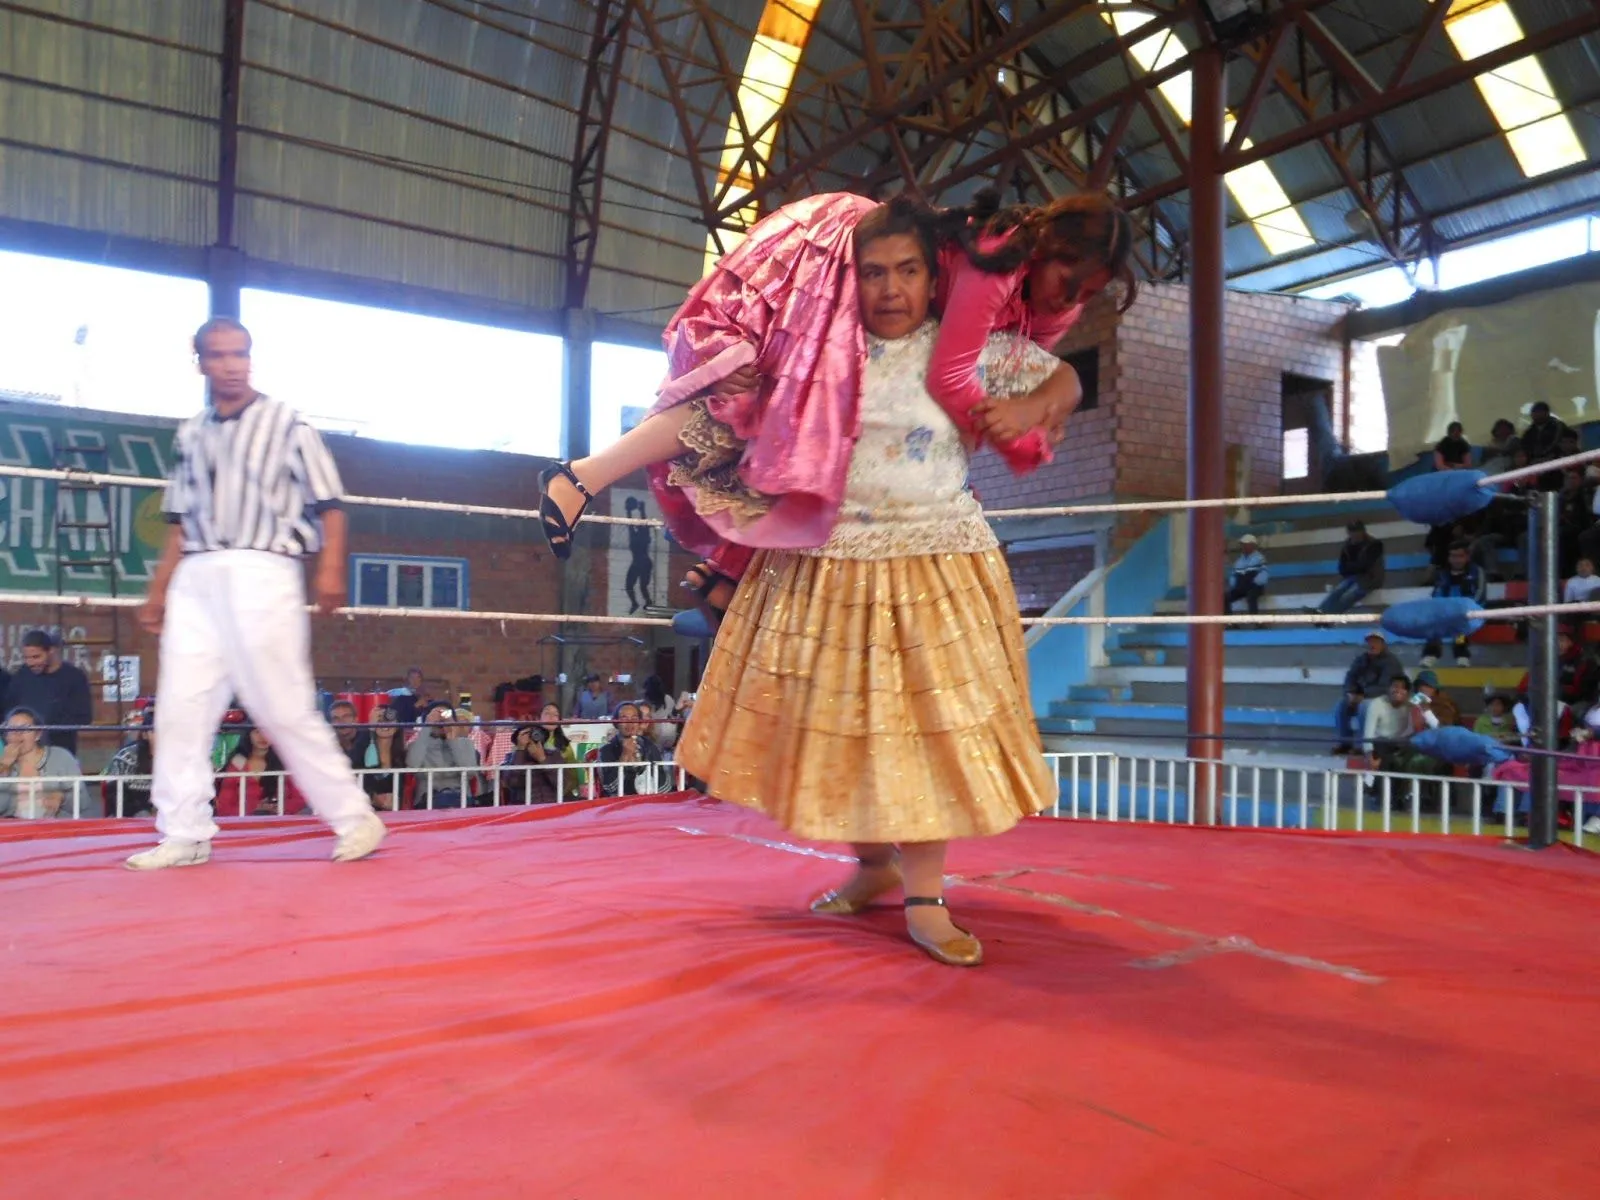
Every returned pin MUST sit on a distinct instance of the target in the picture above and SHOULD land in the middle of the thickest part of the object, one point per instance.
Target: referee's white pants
(237, 625)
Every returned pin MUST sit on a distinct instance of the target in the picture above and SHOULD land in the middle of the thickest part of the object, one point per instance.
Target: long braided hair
(1086, 228)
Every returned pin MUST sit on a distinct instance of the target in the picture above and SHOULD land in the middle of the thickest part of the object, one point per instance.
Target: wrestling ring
(1197, 984)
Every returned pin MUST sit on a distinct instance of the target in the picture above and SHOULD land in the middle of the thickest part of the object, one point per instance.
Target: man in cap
(1248, 578)
(1360, 570)
(1367, 679)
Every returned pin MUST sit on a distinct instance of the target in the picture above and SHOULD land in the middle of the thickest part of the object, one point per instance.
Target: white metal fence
(1102, 786)
(1096, 786)
(272, 793)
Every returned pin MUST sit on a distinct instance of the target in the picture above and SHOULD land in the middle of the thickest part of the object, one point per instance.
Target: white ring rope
(456, 614)
(1062, 510)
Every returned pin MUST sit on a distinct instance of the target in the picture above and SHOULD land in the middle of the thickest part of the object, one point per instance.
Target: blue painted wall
(1060, 660)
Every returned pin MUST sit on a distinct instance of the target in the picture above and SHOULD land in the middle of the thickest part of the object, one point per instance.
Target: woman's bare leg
(922, 865)
(652, 440)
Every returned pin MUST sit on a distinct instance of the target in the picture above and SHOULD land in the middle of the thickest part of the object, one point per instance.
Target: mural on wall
(636, 558)
(1480, 364)
(30, 509)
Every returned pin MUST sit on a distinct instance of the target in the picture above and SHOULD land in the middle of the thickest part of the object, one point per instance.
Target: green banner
(43, 521)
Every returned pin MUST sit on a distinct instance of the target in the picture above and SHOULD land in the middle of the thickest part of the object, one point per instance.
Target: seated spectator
(443, 743)
(411, 702)
(1360, 570)
(133, 766)
(1388, 728)
(661, 709)
(386, 750)
(1574, 516)
(1577, 779)
(540, 746)
(1438, 707)
(1460, 579)
(1368, 678)
(55, 690)
(1503, 524)
(1247, 579)
(636, 752)
(1581, 588)
(34, 775)
(1496, 722)
(254, 782)
(1500, 455)
(594, 702)
(1452, 452)
(1541, 442)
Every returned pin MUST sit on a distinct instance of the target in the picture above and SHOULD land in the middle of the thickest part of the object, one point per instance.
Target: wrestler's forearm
(1062, 392)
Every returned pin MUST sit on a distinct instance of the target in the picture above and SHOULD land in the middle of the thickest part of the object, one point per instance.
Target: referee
(253, 489)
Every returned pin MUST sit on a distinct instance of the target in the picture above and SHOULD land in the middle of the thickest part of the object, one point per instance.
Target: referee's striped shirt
(257, 480)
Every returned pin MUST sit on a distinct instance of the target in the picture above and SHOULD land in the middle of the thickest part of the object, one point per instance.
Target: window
(396, 581)
(1296, 453)
(99, 337)
(1087, 364)
(405, 377)
(622, 387)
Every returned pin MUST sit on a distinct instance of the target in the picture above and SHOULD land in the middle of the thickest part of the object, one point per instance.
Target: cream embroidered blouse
(907, 491)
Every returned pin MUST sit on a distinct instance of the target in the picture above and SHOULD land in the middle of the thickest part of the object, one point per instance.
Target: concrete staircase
(1281, 683)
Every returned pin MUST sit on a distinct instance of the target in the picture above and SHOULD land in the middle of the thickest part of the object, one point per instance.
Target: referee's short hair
(218, 325)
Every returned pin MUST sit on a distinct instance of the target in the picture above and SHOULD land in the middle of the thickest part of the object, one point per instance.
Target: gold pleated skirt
(872, 701)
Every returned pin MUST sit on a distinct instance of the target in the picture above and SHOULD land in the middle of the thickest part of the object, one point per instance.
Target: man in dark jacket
(1462, 579)
(1368, 678)
(1360, 570)
(57, 691)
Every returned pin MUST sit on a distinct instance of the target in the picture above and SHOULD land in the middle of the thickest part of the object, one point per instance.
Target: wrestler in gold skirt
(872, 700)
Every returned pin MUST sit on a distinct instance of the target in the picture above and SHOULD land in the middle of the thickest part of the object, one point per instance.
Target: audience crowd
(417, 749)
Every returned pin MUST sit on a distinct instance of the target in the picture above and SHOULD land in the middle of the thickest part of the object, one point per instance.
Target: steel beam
(612, 19)
(1206, 428)
(224, 269)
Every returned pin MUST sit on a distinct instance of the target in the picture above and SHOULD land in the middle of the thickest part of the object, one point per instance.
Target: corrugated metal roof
(430, 142)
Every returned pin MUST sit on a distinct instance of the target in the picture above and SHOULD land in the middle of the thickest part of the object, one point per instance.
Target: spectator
(1368, 678)
(1360, 570)
(541, 746)
(1438, 706)
(594, 702)
(57, 691)
(1581, 588)
(134, 765)
(359, 748)
(442, 744)
(1496, 722)
(1504, 447)
(1453, 452)
(255, 783)
(406, 701)
(1504, 523)
(386, 750)
(1461, 578)
(32, 774)
(1387, 729)
(661, 709)
(1541, 442)
(1574, 515)
(635, 752)
(1248, 577)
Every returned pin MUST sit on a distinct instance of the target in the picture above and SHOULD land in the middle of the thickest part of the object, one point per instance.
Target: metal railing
(1154, 789)
(271, 793)
(1090, 785)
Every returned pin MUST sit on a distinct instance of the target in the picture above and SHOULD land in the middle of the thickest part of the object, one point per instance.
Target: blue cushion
(1441, 498)
(1433, 619)
(1458, 744)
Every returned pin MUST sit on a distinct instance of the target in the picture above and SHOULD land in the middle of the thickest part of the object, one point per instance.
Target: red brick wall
(1134, 446)
(509, 570)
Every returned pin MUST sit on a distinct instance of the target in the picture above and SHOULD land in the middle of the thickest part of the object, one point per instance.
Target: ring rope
(1063, 510)
(84, 601)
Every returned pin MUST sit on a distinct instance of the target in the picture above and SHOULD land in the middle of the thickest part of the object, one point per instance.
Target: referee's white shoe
(362, 840)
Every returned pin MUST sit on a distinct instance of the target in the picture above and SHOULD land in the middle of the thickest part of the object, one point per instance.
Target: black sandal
(710, 577)
(557, 529)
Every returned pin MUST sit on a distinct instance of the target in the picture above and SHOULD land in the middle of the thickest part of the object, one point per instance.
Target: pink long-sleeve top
(973, 304)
